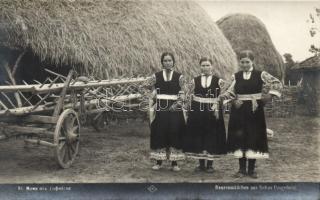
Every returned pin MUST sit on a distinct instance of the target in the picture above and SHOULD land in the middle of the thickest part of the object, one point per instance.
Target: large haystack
(247, 32)
(116, 38)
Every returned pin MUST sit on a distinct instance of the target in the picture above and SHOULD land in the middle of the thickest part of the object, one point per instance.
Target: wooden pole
(60, 102)
(4, 106)
(16, 65)
(40, 142)
(8, 99)
(54, 73)
(13, 81)
(79, 85)
(44, 108)
(12, 74)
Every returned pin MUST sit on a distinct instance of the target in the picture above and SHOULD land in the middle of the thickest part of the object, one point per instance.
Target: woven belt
(204, 100)
(167, 97)
(250, 97)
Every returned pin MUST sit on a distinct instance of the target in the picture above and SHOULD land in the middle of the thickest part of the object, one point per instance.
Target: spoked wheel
(67, 138)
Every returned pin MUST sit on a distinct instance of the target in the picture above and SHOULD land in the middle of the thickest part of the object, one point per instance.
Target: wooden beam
(16, 65)
(63, 93)
(54, 73)
(3, 105)
(26, 129)
(43, 108)
(41, 101)
(79, 85)
(52, 82)
(13, 81)
(40, 119)
(8, 99)
(25, 98)
(40, 142)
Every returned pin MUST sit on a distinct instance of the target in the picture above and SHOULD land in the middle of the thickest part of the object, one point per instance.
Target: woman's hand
(175, 106)
(220, 98)
(215, 110)
(216, 114)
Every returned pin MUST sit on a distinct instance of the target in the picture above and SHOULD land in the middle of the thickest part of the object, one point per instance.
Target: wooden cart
(51, 113)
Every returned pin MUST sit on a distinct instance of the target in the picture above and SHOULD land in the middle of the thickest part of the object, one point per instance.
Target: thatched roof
(114, 38)
(247, 32)
(312, 63)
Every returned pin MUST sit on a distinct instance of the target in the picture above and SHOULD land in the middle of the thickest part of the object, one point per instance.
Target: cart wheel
(67, 138)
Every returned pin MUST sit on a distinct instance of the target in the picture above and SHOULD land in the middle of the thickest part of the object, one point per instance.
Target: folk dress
(247, 136)
(167, 127)
(206, 135)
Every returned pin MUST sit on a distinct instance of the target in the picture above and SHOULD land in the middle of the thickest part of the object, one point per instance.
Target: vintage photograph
(130, 91)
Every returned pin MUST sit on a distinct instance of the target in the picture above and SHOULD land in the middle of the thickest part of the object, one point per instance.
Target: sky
(286, 21)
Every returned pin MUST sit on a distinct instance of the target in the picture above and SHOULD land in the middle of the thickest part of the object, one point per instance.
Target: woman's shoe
(156, 167)
(176, 168)
(253, 175)
(240, 174)
(210, 170)
(200, 169)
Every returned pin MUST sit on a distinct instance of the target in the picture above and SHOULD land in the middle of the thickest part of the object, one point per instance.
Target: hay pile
(117, 38)
(247, 32)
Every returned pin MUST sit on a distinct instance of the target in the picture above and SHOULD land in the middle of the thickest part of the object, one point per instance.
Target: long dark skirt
(247, 134)
(167, 130)
(205, 135)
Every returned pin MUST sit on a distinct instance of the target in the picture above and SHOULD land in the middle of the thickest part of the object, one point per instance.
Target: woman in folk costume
(168, 124)
(247, 136)
(205, 135)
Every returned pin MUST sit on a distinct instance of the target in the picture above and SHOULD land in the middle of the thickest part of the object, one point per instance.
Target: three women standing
(204, 137)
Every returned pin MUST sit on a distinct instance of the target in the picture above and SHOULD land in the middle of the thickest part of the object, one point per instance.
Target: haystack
(244, 32)
(116, 38)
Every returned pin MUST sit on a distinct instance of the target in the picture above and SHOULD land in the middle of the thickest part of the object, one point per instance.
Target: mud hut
(292, 77)
(245, 31)
(310, 70)
(110, 39)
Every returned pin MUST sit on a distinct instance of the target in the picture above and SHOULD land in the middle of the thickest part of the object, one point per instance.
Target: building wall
(311, 87)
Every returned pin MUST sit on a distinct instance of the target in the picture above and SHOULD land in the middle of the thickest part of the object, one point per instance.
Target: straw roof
(115, 38)
(247, 32)
(312, 63)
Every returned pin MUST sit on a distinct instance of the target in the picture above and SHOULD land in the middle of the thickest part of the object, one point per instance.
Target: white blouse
(247, 75)
(167, 76)
(273, 83)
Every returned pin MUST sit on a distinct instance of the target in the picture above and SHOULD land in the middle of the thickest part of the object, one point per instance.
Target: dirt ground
(120, 154)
